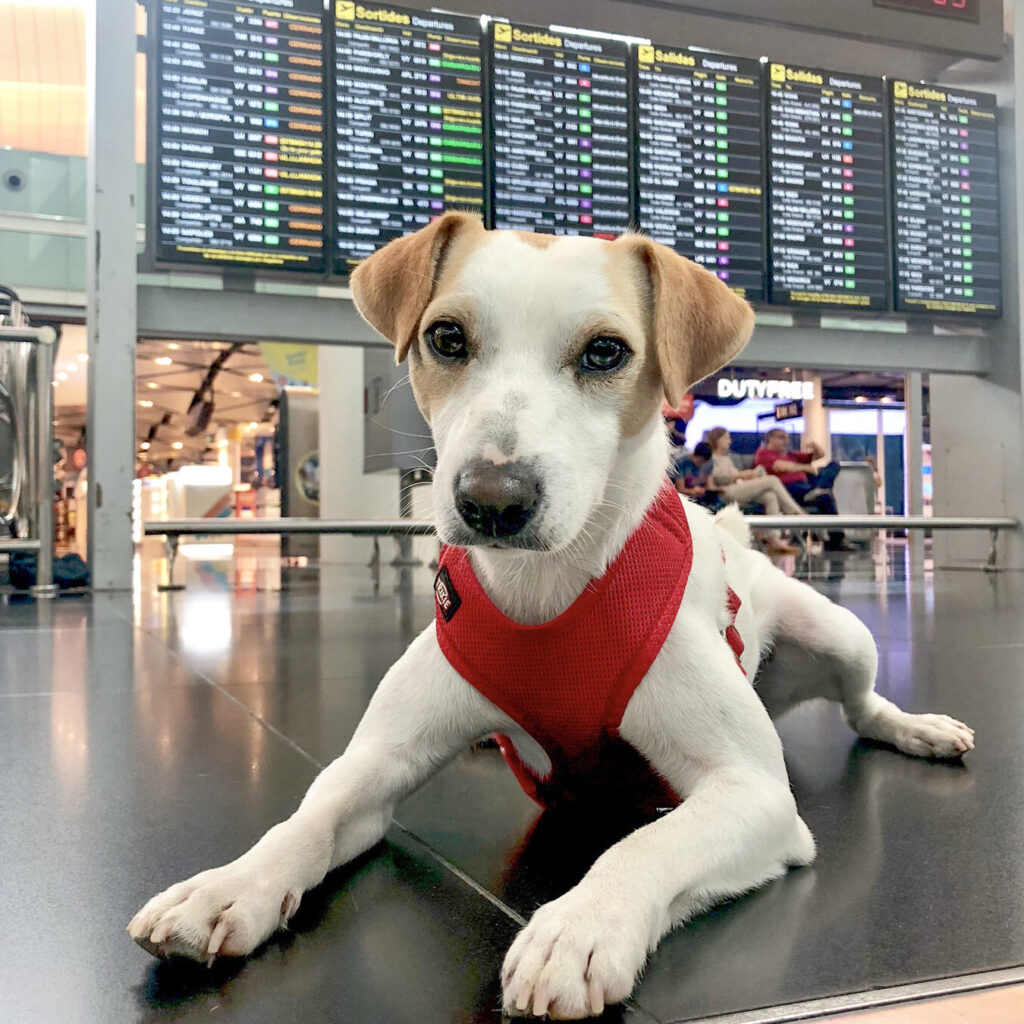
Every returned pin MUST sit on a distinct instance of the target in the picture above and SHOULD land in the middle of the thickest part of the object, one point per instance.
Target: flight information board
(409, 123)
(828, 238)
(561, 132)
(239, 133)
(700, 160)
(946, 200)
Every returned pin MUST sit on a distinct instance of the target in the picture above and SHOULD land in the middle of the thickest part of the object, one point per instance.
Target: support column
(913, 471)
(111, 215)
(977, 423)
(816, 417)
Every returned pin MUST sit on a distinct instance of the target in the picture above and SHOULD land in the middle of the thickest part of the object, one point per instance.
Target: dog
(541, 363)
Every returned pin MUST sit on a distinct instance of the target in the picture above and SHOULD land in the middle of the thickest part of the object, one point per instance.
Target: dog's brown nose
(497, 501)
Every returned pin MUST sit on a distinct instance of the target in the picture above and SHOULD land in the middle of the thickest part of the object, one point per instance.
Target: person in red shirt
(813, 489)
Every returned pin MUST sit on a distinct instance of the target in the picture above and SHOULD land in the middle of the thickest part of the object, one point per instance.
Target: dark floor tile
(917, 875)
(391, 938)
(113, 791)
(108, 799)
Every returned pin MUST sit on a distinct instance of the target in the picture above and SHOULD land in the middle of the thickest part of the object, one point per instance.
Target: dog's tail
(731, 520)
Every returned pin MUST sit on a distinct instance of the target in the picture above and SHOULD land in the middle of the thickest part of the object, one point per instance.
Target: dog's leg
(421, 715)
(736, 829)
(823, 650)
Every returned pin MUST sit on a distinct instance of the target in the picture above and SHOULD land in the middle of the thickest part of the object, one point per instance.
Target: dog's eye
(447, 339)
(602, 355)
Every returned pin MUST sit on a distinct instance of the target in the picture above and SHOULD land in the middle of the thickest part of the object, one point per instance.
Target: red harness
(567, 682)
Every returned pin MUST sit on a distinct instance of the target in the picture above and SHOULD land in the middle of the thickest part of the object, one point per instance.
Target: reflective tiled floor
(142, 742)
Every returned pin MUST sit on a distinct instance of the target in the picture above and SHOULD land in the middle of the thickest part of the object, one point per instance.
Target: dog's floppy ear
(393, 287)
(698, 323)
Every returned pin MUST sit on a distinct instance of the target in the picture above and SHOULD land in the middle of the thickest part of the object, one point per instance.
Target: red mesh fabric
(732, 634)
(567, 682)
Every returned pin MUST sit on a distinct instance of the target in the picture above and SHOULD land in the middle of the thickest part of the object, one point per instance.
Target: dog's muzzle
(497, 501)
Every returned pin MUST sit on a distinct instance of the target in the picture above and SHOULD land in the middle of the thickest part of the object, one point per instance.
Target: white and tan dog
(553, 354)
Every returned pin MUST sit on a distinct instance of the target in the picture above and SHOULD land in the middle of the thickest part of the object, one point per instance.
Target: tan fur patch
(697, 323)
(536, 241)
(631, 294)
(391, 289)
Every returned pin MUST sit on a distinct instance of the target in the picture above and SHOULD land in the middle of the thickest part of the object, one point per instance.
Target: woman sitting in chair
(750, 485)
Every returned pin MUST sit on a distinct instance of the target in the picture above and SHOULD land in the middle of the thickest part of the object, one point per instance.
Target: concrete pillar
(977, 424)
(816, 417)
(882, 497)
(913, 478)
(111, 215)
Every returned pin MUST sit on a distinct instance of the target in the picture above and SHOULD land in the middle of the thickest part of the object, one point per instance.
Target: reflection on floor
(141, 743)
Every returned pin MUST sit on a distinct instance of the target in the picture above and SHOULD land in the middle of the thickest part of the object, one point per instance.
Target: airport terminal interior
(218, 496)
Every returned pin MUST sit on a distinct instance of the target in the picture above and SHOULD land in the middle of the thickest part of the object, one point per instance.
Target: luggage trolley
(26, 438)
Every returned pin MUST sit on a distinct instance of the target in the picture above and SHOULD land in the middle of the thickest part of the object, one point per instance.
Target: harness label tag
(447, 596)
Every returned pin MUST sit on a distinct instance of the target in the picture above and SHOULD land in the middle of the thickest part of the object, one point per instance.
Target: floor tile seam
(478, 887)
(199, 674)
(868, 999)
(466, 879)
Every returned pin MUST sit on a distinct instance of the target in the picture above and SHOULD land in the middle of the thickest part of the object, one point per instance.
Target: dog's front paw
(577, 954)
(935, 736)
(227, 911)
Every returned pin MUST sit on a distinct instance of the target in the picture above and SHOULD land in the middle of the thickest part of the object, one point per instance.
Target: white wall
(977, 434)
(346, 492)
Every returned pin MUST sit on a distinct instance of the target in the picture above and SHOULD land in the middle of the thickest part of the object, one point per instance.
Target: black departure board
(958, 10)
(240, 118)
(409, 123)
(561, 132)
(945, 178)
(828, 239)
(700, 157)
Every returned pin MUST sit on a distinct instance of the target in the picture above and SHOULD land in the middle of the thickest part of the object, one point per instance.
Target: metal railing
(173, 529)
(825, 524)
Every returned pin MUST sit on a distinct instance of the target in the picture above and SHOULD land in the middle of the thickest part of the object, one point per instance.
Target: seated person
(747, 485)
(691, 475)
(791, 468)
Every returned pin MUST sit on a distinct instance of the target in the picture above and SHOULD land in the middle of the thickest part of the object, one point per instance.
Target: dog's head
(535, 358)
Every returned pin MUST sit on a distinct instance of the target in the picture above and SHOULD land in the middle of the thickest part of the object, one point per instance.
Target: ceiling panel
(42, 79)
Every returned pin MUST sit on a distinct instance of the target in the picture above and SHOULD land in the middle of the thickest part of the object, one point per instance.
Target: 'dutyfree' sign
(788, 390)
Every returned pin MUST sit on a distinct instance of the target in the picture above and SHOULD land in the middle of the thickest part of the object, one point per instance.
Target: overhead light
(72, 367)
(163, 360)
(861, 398)
(146, 403)
(83, 357)
(253, 425)
(145, 446)
(152, 386)
(256, 378)
(55, 383)
(177, 446)
(222, 443)
(62, 376)
(173, 346)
